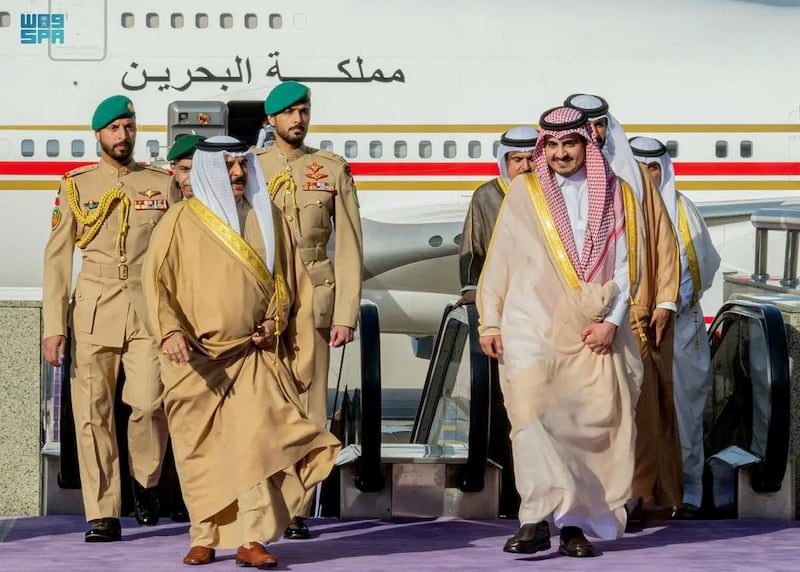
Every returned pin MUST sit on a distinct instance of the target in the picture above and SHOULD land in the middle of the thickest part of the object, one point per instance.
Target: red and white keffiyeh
(606, 219)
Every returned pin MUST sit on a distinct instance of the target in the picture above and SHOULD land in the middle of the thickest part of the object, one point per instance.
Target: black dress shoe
(145, 504)
(529, 538)
(104, 530)
(297, 530)
(687, 512)
(573, 543)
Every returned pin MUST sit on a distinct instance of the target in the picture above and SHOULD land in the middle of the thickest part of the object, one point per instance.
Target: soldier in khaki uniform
(180, 161)
(108, 210)
(316, 193)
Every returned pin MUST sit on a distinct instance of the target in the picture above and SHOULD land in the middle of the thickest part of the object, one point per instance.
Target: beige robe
(234, 411)
(658, 475)
(571, 410)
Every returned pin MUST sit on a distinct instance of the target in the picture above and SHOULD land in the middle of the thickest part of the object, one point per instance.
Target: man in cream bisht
(552, 297)
(223, 289)
(699, 264)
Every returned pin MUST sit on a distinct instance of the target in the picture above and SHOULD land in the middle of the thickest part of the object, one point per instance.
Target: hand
(467, 298)
(341, 335)
(659, 321)
(176, 348)
(53, 347)
(264, 335)
(492, 345)
(599, 336)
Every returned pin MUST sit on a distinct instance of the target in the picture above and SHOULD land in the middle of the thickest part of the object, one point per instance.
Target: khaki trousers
(94, 382)
(315, 400)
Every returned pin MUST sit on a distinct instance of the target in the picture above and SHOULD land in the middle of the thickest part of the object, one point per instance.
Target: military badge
(91, 205)
(149, 193)
(150, 204)
(56, 218)
(349, 174)
(318, 186)
(130, 107)
(315, 172)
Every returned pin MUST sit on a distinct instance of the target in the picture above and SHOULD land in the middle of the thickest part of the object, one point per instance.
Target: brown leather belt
(120, 271)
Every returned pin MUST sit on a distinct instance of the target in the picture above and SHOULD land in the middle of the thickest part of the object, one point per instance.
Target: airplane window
(746, 149)
(127, 20)
(449, 149)
(350, 149)
(375, 149)
(151, 20)
(275, 21)
(152, 148)
(425, 149)
(721, 149)
(52, 148)
(251, 21)
(495, 146)
(226, 21)
(177, 21)
(26, 148)
(5, 19)
(201, 20)
(326, 145)
(400, 149)
(474, 149)
(77, 148)
(672, 148)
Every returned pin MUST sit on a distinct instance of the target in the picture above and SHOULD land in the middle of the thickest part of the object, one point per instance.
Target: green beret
(285, 95)
(184, 147)
(110, 110)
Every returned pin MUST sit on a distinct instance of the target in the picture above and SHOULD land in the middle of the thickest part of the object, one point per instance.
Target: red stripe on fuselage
(447, 169)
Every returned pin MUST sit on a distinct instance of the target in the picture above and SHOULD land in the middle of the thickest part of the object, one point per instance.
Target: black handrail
(432, 390)
(481, 369)
(767, 475)
(368, 474)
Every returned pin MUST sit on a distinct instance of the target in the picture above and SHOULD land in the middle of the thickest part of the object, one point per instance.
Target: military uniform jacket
(478, 226)
(323, 199)
(109, 284)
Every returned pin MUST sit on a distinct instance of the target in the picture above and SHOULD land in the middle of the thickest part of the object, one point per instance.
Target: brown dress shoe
(199, 555)
(573, 543)
(529, 538)
(255, 555)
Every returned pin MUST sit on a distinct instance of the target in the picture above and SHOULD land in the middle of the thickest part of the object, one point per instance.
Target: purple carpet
(56, 543)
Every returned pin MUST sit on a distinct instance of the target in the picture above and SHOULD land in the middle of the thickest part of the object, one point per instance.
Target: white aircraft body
(413, 93)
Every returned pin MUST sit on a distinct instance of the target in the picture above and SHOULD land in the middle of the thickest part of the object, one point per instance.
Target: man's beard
(291, 138)
(121, 156)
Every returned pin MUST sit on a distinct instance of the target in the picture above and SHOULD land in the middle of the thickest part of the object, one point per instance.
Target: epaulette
(81, 170)
(338, 159)
(263, 150)
(155, 168)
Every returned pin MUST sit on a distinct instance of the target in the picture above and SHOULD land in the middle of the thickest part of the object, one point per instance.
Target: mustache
(238, 181)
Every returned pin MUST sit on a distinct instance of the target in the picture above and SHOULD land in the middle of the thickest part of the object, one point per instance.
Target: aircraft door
(207, 118)
(75, 30)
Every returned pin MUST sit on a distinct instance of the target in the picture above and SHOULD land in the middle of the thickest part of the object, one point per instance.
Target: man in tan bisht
(224, 288)
(657, 479)
(552, 296)
(699, 263)
(314, 190)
